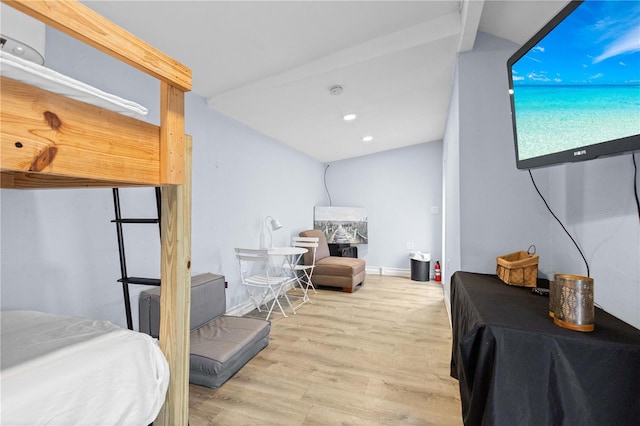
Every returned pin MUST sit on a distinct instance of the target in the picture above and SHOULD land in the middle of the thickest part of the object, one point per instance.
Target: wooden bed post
(175, 299)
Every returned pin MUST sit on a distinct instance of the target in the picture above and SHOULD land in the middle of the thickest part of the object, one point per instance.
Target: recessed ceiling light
(367, 138)
(349, 117)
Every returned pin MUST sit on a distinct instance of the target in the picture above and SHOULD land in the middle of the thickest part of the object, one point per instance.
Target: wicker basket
(519, 268)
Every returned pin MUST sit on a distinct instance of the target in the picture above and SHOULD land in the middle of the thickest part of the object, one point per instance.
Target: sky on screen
(599, 43)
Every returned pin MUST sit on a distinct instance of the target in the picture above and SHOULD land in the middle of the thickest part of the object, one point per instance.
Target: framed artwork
(346, 225)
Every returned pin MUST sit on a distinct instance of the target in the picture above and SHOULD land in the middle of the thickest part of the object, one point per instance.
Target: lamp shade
(275, 224)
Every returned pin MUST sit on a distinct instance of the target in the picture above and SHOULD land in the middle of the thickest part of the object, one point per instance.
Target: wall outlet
(409, 246)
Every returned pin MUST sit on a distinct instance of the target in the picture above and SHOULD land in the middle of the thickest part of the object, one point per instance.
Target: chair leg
(276, 296)
(304, 287)
(264, 301)
(252, 296)
(287, 299)
(301, 282)
(352, 289)
(309, 282)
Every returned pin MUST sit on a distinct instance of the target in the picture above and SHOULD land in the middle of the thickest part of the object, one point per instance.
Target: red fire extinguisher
(437, 270)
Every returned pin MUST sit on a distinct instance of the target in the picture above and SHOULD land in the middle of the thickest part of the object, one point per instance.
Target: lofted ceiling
(270, 64)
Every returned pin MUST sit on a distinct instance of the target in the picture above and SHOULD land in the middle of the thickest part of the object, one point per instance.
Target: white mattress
(59, 370)
(45, 78)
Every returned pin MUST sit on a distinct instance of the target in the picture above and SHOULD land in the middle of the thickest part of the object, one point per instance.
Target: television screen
(575, 86)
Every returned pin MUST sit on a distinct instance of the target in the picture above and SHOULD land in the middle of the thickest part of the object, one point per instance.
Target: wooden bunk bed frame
(50, 141)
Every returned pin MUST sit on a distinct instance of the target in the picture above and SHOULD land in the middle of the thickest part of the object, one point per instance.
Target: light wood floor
(379, 356)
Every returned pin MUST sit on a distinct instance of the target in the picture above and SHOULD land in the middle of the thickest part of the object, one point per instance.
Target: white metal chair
(303, 272)
(260, 279)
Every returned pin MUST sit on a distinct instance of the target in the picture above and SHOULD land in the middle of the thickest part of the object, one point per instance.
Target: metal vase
(572, 303)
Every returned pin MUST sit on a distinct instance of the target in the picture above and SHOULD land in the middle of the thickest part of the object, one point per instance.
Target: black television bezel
(588, 152)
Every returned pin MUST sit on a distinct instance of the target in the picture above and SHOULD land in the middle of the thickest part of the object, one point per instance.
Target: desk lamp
(275, 225)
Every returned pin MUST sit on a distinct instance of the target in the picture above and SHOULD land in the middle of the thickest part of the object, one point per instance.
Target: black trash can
(420, 268)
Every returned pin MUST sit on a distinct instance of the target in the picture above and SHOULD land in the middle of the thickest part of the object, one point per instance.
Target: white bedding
(45, 78)
(59, 370)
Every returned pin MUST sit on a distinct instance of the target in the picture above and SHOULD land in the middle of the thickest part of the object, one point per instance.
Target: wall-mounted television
(575, 85)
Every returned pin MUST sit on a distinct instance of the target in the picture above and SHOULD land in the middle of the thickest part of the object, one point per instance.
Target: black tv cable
(325, 184)
(635, 182)
(563, 227)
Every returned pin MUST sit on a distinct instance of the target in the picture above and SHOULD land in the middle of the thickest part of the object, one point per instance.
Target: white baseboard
(242, 309)
(383, 270)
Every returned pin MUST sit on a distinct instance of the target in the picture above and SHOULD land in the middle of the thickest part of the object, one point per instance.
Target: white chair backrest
(252, 261)
(310, 243)
(305, 241)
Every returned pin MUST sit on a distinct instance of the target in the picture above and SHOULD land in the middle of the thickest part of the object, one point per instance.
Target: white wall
(500, 211)
(451, 193)
(595, 202)
(398, 188)
(59, 249)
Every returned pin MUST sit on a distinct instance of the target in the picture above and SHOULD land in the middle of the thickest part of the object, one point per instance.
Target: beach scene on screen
(580, 84)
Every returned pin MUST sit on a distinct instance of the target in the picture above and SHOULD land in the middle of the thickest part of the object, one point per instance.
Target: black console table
(515, 367)
(343, 250)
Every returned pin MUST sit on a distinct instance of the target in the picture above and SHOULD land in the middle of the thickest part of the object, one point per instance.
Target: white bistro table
(290, 257)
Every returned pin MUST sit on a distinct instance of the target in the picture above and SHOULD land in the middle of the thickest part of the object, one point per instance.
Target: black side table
(343, 250)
